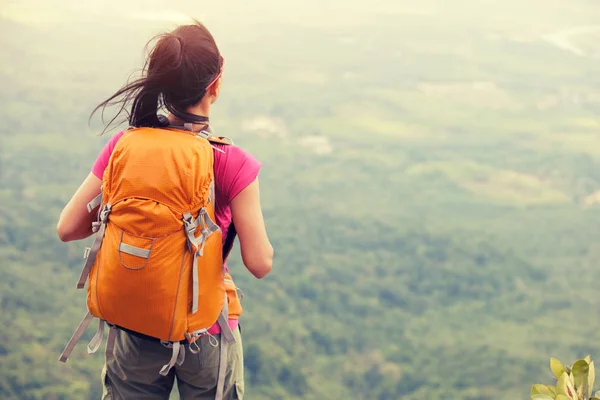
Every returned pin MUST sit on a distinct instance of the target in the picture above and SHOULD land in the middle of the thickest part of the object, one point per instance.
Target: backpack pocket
(134, 251)
(137, 281)
(234, 300)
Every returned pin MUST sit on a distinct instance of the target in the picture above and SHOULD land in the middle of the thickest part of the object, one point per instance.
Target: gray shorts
(133, 371)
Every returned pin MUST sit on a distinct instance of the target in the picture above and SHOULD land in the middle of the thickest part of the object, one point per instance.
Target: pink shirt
(234, 170)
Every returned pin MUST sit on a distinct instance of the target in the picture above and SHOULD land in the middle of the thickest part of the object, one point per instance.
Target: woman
(183, 74)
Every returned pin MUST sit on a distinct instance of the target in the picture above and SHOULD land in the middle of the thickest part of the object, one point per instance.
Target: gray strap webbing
(96, 201)
(134, 251)
(227, 338)
(76, 336)
(209, 225)
(181, 356)
(195, 350)
(176, 358)
(190, 225)
(195, 284)
(91, 255)
(96, 341)
(190, 228)
(206, 133)
(226, 331)
(110, 343)
(195, 281)
(223, 321)
(96, 226)
(222, 369)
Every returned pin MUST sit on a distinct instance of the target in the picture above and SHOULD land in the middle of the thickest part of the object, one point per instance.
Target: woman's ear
(214, 90)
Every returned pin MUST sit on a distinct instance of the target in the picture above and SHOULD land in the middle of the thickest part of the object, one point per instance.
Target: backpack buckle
(105, 212)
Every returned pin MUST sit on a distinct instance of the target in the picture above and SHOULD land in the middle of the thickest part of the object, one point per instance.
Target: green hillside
(431, 186)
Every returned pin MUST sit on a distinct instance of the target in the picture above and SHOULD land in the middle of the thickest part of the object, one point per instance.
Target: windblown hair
(175, 76)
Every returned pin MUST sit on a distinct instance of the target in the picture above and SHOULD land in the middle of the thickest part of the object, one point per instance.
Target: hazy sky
(527, 15)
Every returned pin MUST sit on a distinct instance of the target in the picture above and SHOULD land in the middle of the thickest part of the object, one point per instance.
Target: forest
(430, 184)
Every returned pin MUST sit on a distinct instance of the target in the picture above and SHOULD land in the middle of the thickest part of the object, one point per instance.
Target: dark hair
(175, 76)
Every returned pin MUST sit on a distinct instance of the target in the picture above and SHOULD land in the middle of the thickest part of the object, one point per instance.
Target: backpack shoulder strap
(231, 234)
(220, 139)
(206, 133)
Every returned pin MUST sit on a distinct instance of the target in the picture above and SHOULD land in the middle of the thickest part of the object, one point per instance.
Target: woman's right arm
(257, 252)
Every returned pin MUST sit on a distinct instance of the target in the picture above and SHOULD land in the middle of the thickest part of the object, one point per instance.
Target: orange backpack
(156, 265)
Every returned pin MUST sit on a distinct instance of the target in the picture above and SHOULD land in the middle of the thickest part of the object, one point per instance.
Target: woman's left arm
(75, 222)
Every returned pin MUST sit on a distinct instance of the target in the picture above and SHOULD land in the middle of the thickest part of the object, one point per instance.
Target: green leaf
(565, 386)
(556, 367)
(543, 389)
(591, 378)
(541, 397)
(588, 358)
(562, 397)
(580, 373)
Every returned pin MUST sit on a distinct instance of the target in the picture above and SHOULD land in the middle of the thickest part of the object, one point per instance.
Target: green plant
(574, 382)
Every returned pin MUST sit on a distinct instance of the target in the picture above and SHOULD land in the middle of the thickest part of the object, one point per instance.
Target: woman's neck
(200, 109)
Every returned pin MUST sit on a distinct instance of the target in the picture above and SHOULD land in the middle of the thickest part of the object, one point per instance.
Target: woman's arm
(257, 252)
(75, 221)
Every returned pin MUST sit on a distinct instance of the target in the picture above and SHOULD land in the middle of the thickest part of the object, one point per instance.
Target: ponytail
(143, 110)
(175, 76)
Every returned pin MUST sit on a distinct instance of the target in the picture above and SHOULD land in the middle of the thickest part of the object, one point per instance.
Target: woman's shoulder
(103, 157)
(234, 169)
(233, 154)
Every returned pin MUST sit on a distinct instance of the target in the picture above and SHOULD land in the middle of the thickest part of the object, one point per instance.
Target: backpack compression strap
(98, 227)
(196, 244)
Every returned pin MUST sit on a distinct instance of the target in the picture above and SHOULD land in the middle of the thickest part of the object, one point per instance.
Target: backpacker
(156, 266)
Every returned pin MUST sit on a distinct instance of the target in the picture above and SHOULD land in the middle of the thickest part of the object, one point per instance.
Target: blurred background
(431, 180)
